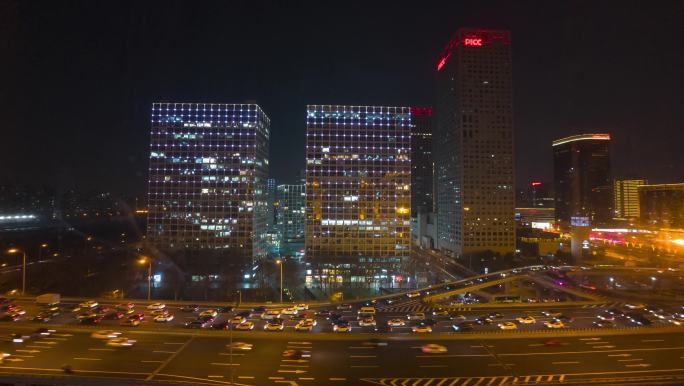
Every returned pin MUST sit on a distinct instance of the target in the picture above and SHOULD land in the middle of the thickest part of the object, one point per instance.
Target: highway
(349, 360)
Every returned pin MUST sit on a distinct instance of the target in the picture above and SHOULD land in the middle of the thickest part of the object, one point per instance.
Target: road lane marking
(652, 340)
(306, 379)
(608, 346)
(295, 360)
(292, 371)
(596, 342)
(620, 355)
(53, 338)
(276, 377)
(338, 379)
(169, 359)
(164, 352)
(639, 365)
(87, 359)
(631, 360)
(152, 361)
(41, 342)
(224, 364)
(432, 366)
(24, 356)
(178, 343)
(28, 351)
(41, 347)
(100, 349)
(296, 347)
(364, 366)
(570, 352)
(363, 356)
(590, 338)
(214, 376)
(536, 344)
(303, 366)
(361, 347)
(304, 343)
(565, 363)
(245, 377)
(233, 354)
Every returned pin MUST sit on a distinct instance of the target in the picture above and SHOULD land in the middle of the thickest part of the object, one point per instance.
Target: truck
(48, 299)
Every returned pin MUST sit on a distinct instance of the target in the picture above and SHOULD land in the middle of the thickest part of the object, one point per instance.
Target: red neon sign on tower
(475, 42)
(536, 183)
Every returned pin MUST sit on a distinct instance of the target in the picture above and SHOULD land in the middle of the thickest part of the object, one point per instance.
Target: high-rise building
(358, 193)
(473, 143)
(582, 183)
(421, 161)
(290, 212)
(208, 171)
(662, 205)
(626, 198)
(270, 208)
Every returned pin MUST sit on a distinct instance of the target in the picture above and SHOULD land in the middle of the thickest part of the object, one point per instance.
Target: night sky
(78, 77)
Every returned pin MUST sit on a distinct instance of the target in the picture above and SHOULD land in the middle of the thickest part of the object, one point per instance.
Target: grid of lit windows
(290, 214)
(208, 170)
(474, 167)
(626, 197)
(358, 193)
(421, 160)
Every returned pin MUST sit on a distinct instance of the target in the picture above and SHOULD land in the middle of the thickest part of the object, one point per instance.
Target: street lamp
(280, 263)
(40, 251)
(146, 260)
(23, 270)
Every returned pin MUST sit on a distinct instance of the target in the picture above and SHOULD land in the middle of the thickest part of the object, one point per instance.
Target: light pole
(23, 269)
(40, 251)
(148, 261)
(280, 263)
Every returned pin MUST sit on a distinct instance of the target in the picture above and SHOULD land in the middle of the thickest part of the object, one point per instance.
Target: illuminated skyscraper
(473, 143)
(662, 205)
(358, 193)
(626, 198)
(421, 161)
(208, 171)
(290, 212)
(582, 183)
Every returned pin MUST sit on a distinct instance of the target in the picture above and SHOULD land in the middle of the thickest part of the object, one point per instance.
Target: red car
(139, 316)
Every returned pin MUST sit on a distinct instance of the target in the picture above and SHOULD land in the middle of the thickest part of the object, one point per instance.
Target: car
(564, 318)
(295, 354)
(124, 307)
(416, 316)
(17, 338)
(483, 320)
(603, 324)
(242, 346)
(163, 318)
(105, 334)
(323, 313)
(302, 306)
(304, 326)
(243, 314)
(440, 313)
(367, 322)
(299, 317)
(16, 311)
(344, 306)
(433, 348)
(271, 314)
(54, 311)
(274, 325)
(156, 306)
(120, 342)
(554, 323)
(463, 327)
(190, 308)
(113, 315)
(159, 312)
(421, 328)
(130, 322)
(413, 294)
(508, 326)
(238, 319)
(90, 320)
(225, 309)
(245, 326)
(257, 311)
(366, 311)
(206, 319)
(342, 326)
(495, 315)
(213, 313)
(333, 316)
(615, 311)
(527, 319)
(635, 306)
(290, 311)
(89, 304)
(42, 317)
(101, 309)
(457, 317)
(396, 323)
(221, 326)
(606, 316)
(311, 320)
(4, 356)
(551, 314)
(638, 319)
(85, 315)
(197, 324)
(139, 316)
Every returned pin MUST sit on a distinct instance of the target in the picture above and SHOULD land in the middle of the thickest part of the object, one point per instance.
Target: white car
(270, 314)
(120, 342)
(105, 334)
(396, 323)
(89, 304)
(240, 346)
(413, 294)
(3, 356)
(367, 322)
(554, 324)
(416, 316)
(163, 318)
(290, 311)
(433, 349)
(508, 326)
(211, 313)
(304, 325)
(526, 319)
(159, 312)
(302, 306)
(245, 326)
(156, 306)
(238, 319)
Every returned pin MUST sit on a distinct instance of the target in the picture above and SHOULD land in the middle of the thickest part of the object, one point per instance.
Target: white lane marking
(364, 366)
(565, 363)
(361, 347)
(152, 361)
(652, 340)
(631, 360)
(100, 349)
(621, 355)
(363, 356)
(338, 379)
(87, 359)
(178, 343)
(224, 364)
(164, 352)
(233, 354)
(608, 346)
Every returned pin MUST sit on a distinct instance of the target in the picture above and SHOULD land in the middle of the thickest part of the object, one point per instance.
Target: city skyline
(558, 92)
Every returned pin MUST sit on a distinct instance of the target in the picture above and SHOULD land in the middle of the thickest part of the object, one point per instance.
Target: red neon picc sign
(476, 42)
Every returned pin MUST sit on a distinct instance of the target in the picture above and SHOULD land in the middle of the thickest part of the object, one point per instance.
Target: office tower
(662, 205)
(208, 171)
(473, 143)
(626, 198)
(290, 212)
(421, 161)
(582, 183)
(270, 208)
(358, 193)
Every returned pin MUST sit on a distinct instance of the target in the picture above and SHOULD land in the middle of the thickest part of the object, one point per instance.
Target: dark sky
(78, 77)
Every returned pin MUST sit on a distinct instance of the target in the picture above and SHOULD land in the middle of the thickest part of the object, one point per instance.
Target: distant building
(290, 212)
(421, 161)
(626, 198)
(662, 205)
(358, 194)
(270, 208)
(541, 218)
(208, 172)
(473, 144)
(582, 183)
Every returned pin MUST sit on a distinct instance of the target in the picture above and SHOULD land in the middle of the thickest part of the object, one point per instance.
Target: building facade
(207, 182)
(421, 161)
(662, 205)
(358, 194)
(473, 144)
(582, 183)
(626, 198)
(290, 212)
